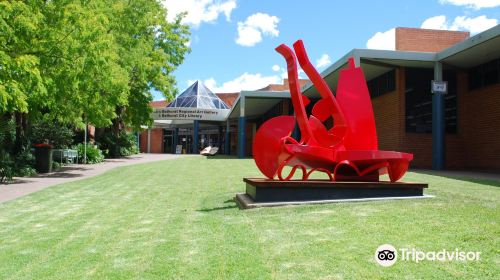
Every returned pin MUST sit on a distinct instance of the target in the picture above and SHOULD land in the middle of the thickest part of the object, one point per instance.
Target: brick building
(456, 130)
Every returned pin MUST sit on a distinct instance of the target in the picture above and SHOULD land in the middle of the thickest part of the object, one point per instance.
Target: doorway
(185, 139)
(168, 141)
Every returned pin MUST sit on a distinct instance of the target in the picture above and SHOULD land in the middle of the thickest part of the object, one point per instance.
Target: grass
(177, 220)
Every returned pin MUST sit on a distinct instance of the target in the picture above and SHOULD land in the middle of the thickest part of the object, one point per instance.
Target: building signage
(439, 87)
(190, 114)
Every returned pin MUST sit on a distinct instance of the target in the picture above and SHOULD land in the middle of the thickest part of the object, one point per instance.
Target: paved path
(22, 186)
(462, 174)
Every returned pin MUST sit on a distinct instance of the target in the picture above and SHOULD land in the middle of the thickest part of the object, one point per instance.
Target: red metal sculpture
(348, 151)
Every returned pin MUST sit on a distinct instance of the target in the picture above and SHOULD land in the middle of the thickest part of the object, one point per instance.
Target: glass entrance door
(185, 139)
(209, 137)
(168, 141)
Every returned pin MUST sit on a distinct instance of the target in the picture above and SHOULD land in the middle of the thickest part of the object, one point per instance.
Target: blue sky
(233, 41)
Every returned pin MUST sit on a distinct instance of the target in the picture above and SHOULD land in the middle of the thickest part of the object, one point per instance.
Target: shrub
(56, 166)
(7, 133)
(59, 135)
(94, 155)
(25, 171)
(24, 163)
(7, 138)
(6, 167)
(114, 146)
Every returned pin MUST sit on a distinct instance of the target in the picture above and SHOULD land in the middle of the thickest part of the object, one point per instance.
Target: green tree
(78, 61)
(150, 48)
(21, 82)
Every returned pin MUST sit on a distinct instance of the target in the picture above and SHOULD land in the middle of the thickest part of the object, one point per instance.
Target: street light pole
(85, 143)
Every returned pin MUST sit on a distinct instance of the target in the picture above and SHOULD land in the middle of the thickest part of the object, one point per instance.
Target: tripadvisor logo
(387, 255)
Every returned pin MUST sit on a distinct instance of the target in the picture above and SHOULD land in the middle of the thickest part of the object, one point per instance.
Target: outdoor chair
(209, 151)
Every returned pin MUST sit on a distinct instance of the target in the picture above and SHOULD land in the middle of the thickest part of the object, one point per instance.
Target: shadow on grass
(465, 177)
(63, 172)
(233, 205)
(221, 157)
(217, 208)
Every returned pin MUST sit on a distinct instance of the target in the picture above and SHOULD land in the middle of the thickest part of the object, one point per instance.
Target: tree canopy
(83, 60)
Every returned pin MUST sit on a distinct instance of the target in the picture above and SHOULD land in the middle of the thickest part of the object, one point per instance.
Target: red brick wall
(388, 115)
(455, 150)
(418, 144)
(479, 126)
(475, 146)
(156, 141)
(427, 40)
(143, 141)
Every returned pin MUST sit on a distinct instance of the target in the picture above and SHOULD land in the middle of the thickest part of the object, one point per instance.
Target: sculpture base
(265, 192)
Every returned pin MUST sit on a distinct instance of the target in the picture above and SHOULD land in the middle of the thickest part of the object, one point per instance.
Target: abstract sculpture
(348, 151)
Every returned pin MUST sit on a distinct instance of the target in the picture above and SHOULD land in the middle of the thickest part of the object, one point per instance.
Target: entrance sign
(439, 87)
(178, 149)
(190, 114)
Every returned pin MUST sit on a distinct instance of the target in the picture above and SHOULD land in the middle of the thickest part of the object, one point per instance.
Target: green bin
(43, 157)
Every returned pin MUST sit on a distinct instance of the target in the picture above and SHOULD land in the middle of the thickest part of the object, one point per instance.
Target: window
(484, 75)
(419, 100)
(490, 71)
(450, 101)
(382, 84)
(475, 78)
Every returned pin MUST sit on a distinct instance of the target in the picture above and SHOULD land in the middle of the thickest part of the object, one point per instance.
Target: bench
(66, 155)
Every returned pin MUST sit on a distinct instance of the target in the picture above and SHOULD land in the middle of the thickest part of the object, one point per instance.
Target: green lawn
(177, 219)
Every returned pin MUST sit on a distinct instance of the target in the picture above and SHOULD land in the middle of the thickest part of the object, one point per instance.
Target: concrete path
(22, 186)
(462, 174)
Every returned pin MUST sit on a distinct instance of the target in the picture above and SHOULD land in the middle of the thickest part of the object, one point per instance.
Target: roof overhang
(373, 63)
(181, 124)
(256, 103)
(474, 51)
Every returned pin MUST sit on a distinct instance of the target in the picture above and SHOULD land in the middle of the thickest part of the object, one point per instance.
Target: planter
(43, 157)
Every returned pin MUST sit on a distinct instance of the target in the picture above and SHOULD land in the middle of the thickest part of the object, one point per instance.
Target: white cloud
(199, 11)
(323, 61)
(251, 30)
(244, 82)
(383, 40)
(473, 25)
(437, 22)
(474, 4)
(284, 73)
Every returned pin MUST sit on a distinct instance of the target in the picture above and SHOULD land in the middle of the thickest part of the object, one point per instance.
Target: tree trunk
(18, 144)
(117, 125)
(5, 132)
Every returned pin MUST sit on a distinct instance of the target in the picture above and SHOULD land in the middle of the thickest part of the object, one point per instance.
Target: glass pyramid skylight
(198, 96)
